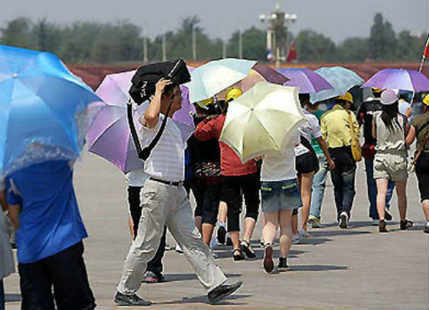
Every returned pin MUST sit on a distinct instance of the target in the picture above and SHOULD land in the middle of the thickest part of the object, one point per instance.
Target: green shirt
(314, 142)
(422, 139)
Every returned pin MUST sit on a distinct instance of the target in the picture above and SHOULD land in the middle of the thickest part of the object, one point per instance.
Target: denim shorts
(280, 195)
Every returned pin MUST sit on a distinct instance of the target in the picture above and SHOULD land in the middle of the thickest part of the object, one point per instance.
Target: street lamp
(277, 22)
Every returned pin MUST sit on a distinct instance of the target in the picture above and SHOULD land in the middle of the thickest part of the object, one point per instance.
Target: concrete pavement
(357, 268)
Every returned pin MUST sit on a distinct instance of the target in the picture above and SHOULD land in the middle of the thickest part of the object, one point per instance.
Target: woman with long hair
(390, 163)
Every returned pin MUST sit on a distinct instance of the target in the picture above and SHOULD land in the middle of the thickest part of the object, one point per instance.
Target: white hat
(388, 97)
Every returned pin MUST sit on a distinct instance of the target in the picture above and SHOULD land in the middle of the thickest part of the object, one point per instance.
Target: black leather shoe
(130, 300)
(223, 291)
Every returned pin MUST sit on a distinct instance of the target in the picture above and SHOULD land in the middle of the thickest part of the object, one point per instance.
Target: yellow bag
(355, 144)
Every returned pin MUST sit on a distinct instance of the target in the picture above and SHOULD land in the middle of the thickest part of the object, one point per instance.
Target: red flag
(292, 52)
(426, 53)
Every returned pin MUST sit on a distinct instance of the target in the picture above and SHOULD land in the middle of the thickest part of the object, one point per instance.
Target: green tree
(18, 33)
(312, 46)
(253, 41)
(353, 50)
(382, 40)
(48, 36)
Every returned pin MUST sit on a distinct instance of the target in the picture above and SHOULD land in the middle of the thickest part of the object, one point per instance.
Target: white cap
(388, 97)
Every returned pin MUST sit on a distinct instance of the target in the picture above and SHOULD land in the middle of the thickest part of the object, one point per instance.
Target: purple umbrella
(399, 79)
(109, 135)
(308, 81)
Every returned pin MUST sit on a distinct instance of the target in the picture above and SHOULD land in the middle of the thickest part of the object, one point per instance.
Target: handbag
(355, 144)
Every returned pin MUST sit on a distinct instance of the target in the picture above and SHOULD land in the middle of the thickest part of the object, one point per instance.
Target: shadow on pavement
(315, 268)
(203, 299)
(172, 277)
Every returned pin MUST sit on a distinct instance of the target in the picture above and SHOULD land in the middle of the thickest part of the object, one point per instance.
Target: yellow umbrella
(261, 121)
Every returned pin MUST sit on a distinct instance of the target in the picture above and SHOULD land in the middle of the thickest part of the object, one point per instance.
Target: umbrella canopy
(402, 79)
(307, 80)
(341, 79)
(109, 135)
(45, 109)
(215, 76)
(261, 120)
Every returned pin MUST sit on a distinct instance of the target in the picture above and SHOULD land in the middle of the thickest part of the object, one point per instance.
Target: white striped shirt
(167, 159)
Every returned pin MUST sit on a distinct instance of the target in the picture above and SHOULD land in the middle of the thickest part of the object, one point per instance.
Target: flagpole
(422, 62)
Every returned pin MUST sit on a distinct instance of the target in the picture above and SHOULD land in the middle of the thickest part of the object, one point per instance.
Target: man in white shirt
(165, 202)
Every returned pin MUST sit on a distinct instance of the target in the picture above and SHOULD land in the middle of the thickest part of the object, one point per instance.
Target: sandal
(245, 247)
(237, 255)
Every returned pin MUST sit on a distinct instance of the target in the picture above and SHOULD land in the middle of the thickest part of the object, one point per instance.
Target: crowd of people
(42, 205)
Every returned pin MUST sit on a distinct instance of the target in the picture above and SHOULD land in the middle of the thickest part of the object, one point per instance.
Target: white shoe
(296, 238)
(344, 220)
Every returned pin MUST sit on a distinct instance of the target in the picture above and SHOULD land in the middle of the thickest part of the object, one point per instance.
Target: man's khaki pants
(168, 205)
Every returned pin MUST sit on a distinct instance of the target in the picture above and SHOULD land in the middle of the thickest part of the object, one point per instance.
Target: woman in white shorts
(390, 162)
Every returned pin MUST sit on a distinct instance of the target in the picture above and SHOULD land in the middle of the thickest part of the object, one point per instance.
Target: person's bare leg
(131, 226)
(235, 238)
(249, 227)
(198, 223)
(207, 233)
(294, 222)
(269, 230)
(285, 232)
(381, 197)
(294, 218)
(223, 212)
(401, 191)
(426, 209)
(305, 188)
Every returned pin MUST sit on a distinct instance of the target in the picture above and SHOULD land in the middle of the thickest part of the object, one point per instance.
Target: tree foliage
(92, 42)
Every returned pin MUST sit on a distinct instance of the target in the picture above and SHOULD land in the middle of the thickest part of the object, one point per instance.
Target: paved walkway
(356, 268)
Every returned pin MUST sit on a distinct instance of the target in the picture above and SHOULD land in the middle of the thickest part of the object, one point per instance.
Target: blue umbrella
(340, 78)
(44, 109)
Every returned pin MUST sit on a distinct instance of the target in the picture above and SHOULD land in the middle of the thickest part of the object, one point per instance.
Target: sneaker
(283, 263)
(152, 277)
(296, 239)
(262, 242)
(130, 300)
(222, 291)
(405, 224)
(268, 258)
(314, 221)
(426, 230)
(221, 233)
(382, 226)
(375, 222)
(344, 218)
(387, 215)
(303, 234)
(179, 249)
(247, 249)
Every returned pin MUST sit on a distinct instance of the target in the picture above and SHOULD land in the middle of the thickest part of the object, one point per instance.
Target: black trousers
(234, 188)
(422, 172)
(65, 272)
(155, 265)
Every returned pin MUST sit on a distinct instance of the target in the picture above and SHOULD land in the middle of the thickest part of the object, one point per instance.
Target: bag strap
(144, 153)
(352, 131)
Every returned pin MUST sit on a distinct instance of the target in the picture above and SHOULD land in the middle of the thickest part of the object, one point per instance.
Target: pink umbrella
(109, 135)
